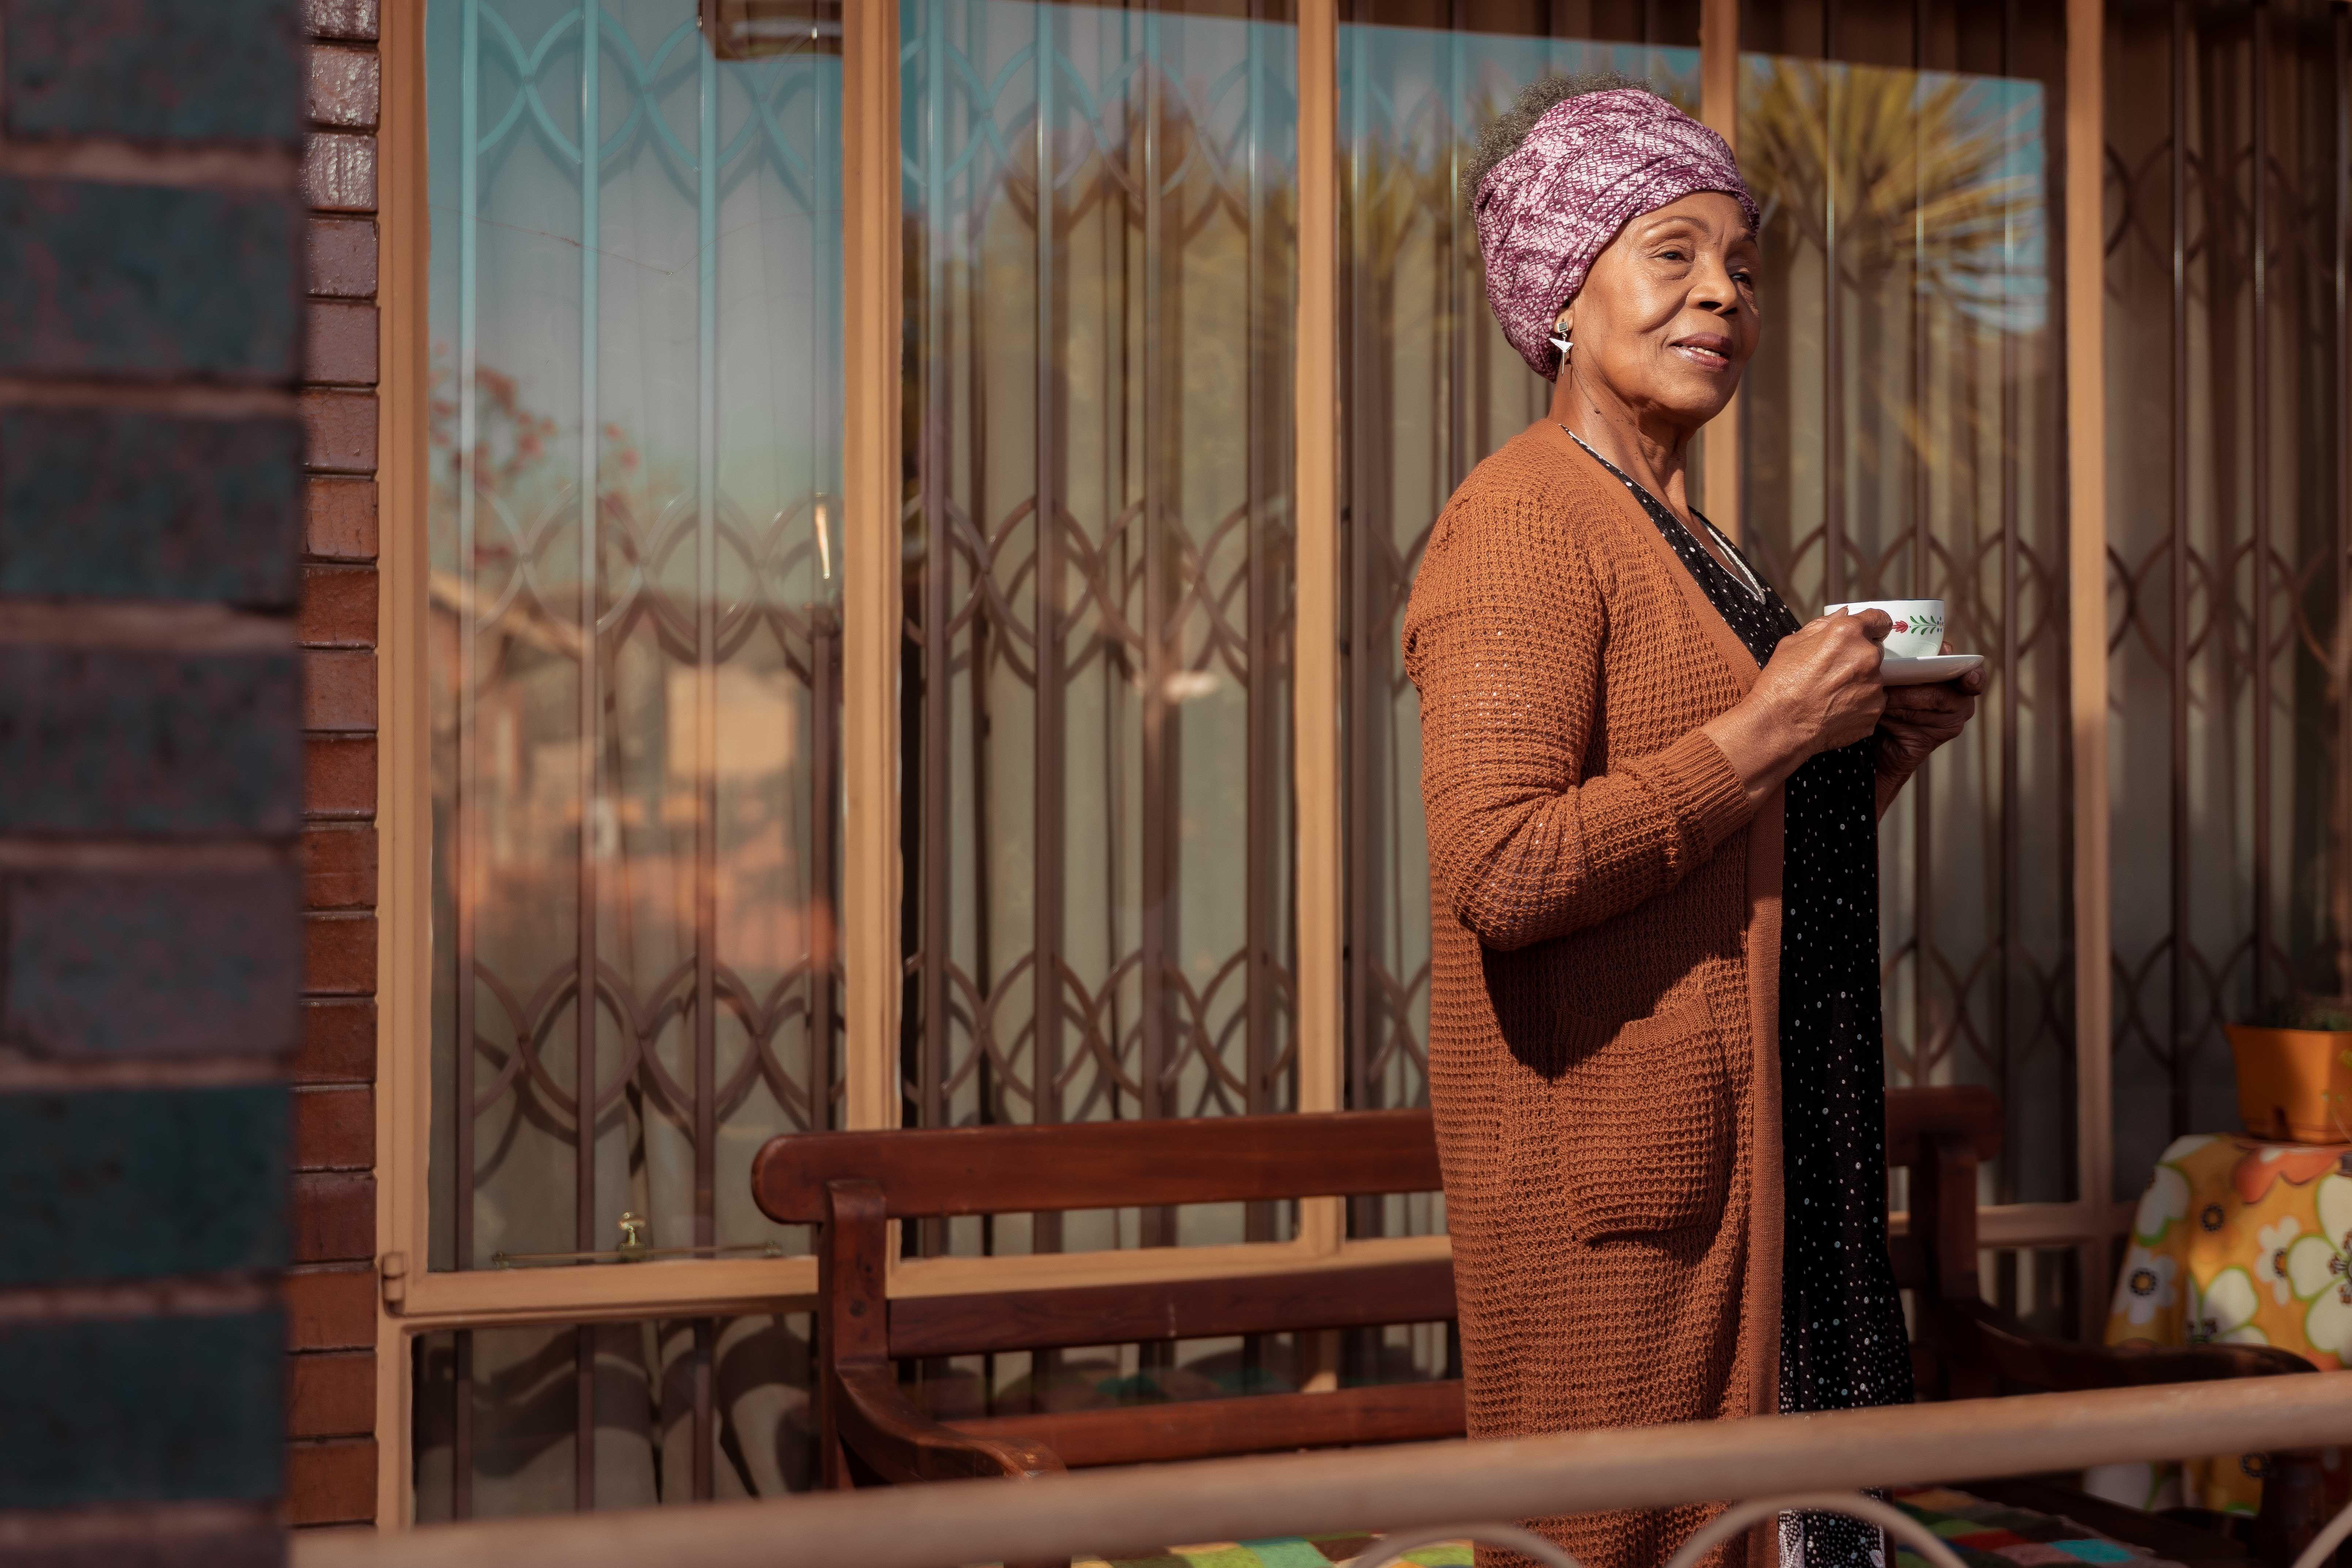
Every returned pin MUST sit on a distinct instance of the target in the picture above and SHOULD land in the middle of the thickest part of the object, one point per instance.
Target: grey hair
(1503, 135)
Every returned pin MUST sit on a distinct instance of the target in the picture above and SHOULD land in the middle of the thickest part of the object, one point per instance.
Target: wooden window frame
(413, 1300)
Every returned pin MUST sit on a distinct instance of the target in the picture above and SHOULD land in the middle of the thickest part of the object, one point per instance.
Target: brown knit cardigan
(1604, 1051)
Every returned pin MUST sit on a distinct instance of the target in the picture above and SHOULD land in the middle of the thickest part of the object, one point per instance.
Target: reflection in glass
(682, 1410)
(634, 638)
(1904, 435)
(1901, 433)
(2228, 520)
(1100, 268)
(1429, 387)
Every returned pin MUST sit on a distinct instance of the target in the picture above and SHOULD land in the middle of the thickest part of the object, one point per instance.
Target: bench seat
(854, 1186)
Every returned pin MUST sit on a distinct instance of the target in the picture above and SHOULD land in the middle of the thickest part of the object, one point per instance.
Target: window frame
(413, 1300)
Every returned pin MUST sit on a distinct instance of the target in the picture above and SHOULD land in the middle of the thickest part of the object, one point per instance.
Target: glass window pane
(1431, 386)
(2228, 521)
(678, 1410)
(1097, 721)
(1903, 435)
(635, 642)
(1919, 417)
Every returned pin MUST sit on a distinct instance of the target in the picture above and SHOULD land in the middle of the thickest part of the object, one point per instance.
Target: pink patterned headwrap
(1591, 164)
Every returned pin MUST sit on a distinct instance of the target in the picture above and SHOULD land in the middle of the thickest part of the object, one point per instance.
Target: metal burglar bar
(635, 645)
(1903, 437)
(1432, 388)
(1097, 739)
(1096, 719)
(2226, 218)
(519, 1383)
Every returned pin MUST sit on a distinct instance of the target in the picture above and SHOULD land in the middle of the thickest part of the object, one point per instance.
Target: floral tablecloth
(2236, 1242)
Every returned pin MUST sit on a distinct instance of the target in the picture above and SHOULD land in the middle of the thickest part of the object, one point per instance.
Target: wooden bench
(852, 1185)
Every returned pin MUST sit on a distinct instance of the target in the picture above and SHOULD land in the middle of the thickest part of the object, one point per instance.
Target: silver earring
(1559, 340)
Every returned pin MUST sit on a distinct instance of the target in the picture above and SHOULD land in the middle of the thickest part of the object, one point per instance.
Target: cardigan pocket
(1646, 1127)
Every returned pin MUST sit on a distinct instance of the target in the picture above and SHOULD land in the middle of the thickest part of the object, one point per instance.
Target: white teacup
(1918, 625)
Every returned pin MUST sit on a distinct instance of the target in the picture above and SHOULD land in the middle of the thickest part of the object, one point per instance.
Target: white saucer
(1927, 671)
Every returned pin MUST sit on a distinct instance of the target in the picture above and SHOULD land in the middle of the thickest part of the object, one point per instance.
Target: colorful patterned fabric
(2236, 1242)
(1590, 164)
(1292, 1551)
(1986, 1535)
(1982, 1533)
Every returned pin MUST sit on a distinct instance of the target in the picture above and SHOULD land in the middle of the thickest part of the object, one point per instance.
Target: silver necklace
(1745, 579)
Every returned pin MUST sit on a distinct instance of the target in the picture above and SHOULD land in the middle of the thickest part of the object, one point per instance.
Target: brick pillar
(331, 1294)
(151, 696)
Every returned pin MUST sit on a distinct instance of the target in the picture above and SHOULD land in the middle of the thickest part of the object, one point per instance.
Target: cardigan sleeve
(1504, 639)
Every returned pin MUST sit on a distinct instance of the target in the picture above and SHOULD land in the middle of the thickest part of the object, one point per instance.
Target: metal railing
(1768, 1463)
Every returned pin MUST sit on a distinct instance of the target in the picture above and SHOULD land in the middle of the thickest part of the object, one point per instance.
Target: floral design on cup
(1919, 624)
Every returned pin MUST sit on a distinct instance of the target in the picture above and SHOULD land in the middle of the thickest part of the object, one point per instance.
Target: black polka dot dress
(1842, 1343)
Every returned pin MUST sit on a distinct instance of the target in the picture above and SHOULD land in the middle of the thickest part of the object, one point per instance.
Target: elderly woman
(1654, 1036)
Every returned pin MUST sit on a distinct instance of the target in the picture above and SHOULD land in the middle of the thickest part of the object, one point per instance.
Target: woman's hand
(1820, 691)
(1918, 719)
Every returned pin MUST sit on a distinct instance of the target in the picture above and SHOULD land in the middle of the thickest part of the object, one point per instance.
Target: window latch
(633, 1249)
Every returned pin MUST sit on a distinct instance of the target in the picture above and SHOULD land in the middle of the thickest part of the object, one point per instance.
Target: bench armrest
(879, 1426)
(1976, 1343)
(1978, 1348)
(863, 1418)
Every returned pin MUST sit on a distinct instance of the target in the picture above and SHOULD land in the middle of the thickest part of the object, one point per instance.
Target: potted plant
(2295, 1071)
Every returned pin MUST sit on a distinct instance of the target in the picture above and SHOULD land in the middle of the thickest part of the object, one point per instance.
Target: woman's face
(1666, 318)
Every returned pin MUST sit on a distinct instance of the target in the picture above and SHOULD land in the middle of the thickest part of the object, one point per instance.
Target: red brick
(331, 1482)
(342, 257)
(338, 689)
(339, 171)
(338, 607)
(341, 431)
(334, 1128)
(337, 777)
(338, 956)
(331, 1309)
(337, 1042)
(338, 519)
(343, 87)
(334, 1216)
(339, 867)
(339, 18)
(331, 1394)
(340, 342)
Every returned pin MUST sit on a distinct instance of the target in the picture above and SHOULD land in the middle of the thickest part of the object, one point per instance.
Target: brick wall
(330, 1292)
(150, 711)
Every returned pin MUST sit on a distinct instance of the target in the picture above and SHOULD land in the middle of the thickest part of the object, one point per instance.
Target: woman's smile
(1710, 351)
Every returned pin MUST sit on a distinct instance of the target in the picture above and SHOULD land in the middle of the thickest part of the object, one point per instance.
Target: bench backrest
(928, 1174)
(925, 1175)
(1940, 1134)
